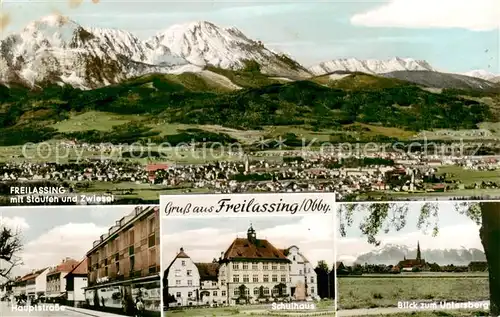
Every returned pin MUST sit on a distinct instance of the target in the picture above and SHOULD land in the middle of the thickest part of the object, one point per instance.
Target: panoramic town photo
(417, 259)
(80, 261)
(242, 266)
(372, 100)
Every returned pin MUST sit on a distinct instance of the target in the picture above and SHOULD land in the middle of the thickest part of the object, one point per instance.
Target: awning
(55, 295)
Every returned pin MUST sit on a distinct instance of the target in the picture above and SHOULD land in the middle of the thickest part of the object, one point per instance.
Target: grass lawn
(468, 177)
(370, 292)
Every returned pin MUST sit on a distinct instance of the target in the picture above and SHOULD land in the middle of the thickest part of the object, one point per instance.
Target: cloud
(14, 223)
(70, 240)
(450, 237)
(314, 235)
(478, 15)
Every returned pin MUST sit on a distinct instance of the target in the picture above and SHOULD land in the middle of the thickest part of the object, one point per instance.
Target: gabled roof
(208, 271)
(180, 255)
(67, 265)
(79, 269)
(242, 248)
(33, 274)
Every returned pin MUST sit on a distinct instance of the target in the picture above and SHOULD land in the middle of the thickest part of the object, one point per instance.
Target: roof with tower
(251, 248)
(410, 263)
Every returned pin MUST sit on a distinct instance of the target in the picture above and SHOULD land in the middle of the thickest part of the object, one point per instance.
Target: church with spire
(417, 264)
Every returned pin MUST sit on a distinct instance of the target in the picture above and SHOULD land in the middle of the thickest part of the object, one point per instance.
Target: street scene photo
(80, 261)
(417, 259)
(242, 265)
(126, 101)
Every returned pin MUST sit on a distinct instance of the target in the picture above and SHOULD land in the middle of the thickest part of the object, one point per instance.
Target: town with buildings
(250, 271)
(373, 176)
(121, 269)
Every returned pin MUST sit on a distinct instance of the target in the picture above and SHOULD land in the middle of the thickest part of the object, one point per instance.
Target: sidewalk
(90, 312)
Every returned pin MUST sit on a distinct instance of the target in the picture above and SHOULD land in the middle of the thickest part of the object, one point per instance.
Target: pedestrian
(139, 307)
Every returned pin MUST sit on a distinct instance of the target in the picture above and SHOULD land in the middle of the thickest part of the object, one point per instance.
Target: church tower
(419, 255)
(251, 235)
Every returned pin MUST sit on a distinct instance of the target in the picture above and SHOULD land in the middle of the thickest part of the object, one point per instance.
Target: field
(385, 291)
(462, 313)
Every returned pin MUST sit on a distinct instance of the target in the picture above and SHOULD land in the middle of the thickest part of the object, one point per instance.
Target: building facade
(302, 275)
(36, 284)
(76, 282)
(417, 264)
(124, 264)
(251, 270)
(56, 283)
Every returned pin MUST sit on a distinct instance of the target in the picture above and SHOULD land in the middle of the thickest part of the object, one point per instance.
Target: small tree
(10, 246)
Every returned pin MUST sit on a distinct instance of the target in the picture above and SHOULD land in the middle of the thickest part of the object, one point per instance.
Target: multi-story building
(124, 264)
(36, 284)
(302, 275)
(76, 282)
(56, 283)
(250, 271)
(19, 286)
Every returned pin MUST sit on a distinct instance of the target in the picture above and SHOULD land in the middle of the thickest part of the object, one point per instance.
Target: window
(178, 294)
(255, 266)
(245, 266)
(151, 240)
(312, 290)
(300, 272)
(283, 278)
(189, 272)
(117, 267)
(312, 279)
(274, 267)
(236, 266)
(282, 267)
(151, 228)
(214, 284)
(275, 278)
(247, 291)
(236, 278)
(131, 240)
(223, 282)
(256, 291)
(275, 291)
(246, 278)
(132, 263)
(190, 294)
(152, 257)
(177, 273)
(106, 271)
(183, 263)
(266, 278)
(223, 293)
(177, 282)
(236, 292)
(215, 293)
(265, 267)
(266, 290)
(190, 282)
(255, 279)
(294, 258)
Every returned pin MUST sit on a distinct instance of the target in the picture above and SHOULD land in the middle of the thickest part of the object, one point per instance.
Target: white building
(36, 283)
(302, 275)
(76, 282)
(250, 271)
(183, 280)
(56, 283)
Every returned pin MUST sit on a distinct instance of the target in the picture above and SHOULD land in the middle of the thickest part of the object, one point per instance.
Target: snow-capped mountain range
(58, 50)
(370, 66)
(392, 254)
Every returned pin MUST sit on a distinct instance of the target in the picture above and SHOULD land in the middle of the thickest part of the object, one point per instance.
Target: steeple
(419, 256)
(251, 235)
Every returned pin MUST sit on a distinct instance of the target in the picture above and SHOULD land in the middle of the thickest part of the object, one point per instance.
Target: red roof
(259, 249)
(67, 265)
(80, 269)
(156, 167)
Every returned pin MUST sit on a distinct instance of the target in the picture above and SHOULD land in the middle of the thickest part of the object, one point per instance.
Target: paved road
(395, 310)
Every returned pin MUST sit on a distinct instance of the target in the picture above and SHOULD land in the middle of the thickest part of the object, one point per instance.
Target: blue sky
(455, 231)
(50, 234)
(453, 35)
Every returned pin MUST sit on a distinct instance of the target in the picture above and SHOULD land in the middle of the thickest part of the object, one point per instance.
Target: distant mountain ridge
(55, 49)
(391, 254)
